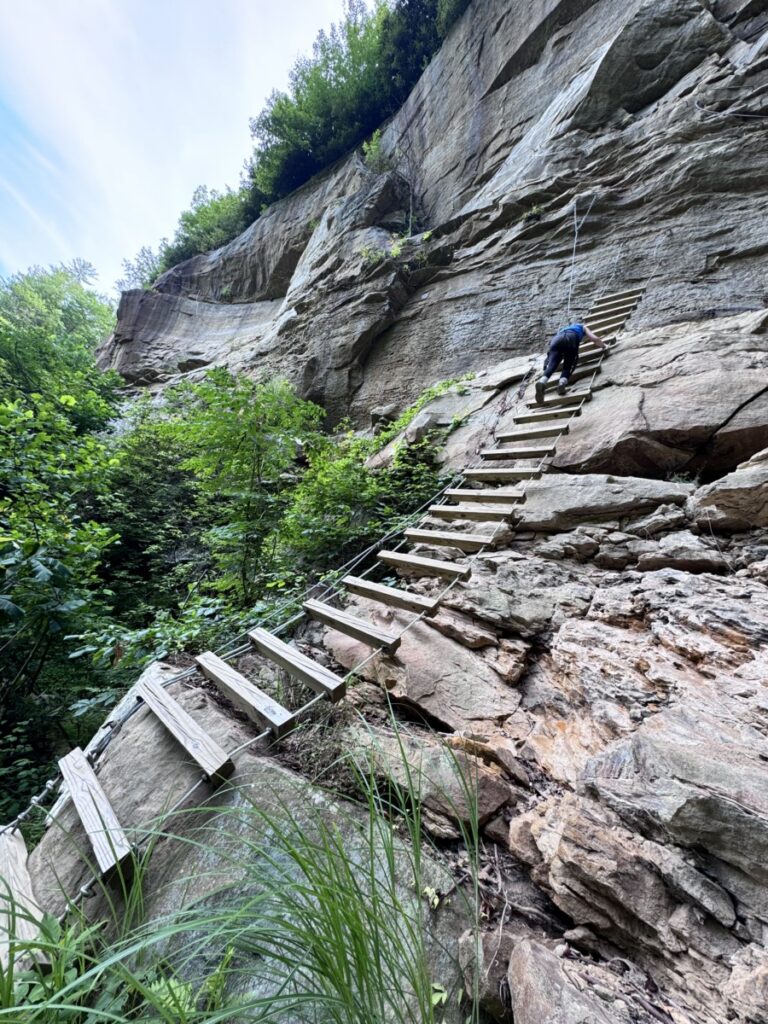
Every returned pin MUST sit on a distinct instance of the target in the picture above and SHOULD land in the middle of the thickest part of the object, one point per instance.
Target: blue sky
(113, 111)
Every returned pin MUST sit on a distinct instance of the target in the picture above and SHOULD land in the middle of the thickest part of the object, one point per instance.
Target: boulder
(559, 501)
(432, 674)
(737, 501)
(451, 785)
(541, 991)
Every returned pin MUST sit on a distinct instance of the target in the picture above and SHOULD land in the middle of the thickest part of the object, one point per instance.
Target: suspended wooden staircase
(538, 432)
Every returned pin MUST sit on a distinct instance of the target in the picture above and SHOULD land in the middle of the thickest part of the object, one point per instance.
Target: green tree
(449, 12)
(50, 326)
(245, 438)
(213, 219)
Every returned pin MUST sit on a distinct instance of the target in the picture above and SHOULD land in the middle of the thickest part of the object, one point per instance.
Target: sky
(113, 111)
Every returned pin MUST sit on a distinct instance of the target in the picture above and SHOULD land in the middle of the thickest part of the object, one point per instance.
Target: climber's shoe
(540, 385)
(562, 386)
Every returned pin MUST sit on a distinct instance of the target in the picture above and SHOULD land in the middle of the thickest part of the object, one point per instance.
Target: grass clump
(315, 913)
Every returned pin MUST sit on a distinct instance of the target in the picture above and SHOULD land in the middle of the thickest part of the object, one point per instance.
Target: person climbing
(564, 348)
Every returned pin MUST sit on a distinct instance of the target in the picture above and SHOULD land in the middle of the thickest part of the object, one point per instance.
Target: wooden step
(403, 561)
(448, 538)
(256, 704)
(361, 630)
(592, 356)
(631, 293)
(580, 373)
(298, 665)
(606, 312)
(201, 747)
(533, 434)
(506, 475)
(612, 300)
(19, 913)
(562, 401)
(487, 497)
(606, 323)
(622, 306)
(518, 453)
(588, 347)
(547, 415)
(391, 596)
(108, 840)
(480, 513)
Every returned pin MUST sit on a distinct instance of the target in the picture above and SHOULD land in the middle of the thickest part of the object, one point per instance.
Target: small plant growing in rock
(373, 157)
(372, 256)
(533, 215)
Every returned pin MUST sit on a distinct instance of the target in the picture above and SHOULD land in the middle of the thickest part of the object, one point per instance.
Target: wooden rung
(449, 538)
(553, 414)
(108, 840)
(616, 296)
(533, 433)
(361, 630)
(627, 306)
(581, 373)
(201, 747)
(607, 323)
(487, 497)
(481, 513)
(502, 475)
(592, 356)
(296, 664)
(563, 400)
(517, 453)
(391, 596)
(17, 900)
(420, 566)
(256, 704)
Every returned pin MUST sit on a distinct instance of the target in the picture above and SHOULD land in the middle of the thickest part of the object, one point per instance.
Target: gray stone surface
(509, 115)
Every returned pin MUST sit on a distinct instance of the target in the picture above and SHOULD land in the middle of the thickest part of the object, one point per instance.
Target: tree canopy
(358, 75)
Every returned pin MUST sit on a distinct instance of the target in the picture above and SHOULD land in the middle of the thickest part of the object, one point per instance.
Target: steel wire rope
(87, 889)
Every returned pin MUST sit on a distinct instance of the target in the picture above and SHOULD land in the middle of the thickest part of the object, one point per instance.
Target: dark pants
(564, 348)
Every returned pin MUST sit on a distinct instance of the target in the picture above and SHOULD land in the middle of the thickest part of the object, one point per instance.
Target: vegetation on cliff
(359, 74)
(169, 525)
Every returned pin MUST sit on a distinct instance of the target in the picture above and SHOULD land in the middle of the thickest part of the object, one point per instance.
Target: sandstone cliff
(604, 672)
(639, 113)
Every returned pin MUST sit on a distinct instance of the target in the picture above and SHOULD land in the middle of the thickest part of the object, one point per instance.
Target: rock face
(601, 677)
(634, 119)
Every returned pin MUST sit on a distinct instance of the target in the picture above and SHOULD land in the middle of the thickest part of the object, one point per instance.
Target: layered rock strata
(639, 123)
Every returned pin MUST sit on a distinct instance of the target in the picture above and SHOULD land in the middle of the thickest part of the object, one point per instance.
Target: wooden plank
(505, 475)
(419, 566)
(360, 629)
(552, 414)
(616, 296)
(627, 306)
(449, 538)
(201, 747)
(481, 513)
(108, 840)
(517, 453)
(17, 900)
(315, 675)
(610, 323)
(563, 400)
(504, 497)
(580, 373)
(391, 596)
(612, 303)
(256, 704)
(534, 433)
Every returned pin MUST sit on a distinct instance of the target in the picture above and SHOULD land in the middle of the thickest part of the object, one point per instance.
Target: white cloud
(113, 111)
